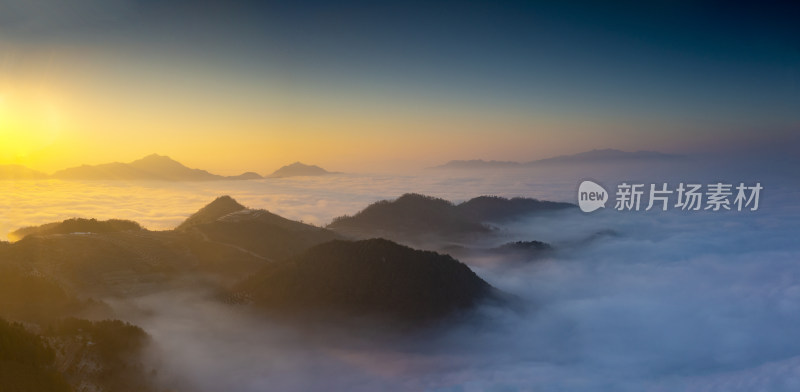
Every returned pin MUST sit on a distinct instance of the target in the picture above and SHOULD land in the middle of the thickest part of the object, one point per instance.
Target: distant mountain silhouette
(246, 176)
(19, 172)
(478, 164)
(607, 155)
(298, 169)
(594, 156)
(373, 277)
(419, 219)
(76, 225)
(151, 167)
(525, 246)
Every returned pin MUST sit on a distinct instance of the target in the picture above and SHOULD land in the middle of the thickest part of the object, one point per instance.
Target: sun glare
(28, 123)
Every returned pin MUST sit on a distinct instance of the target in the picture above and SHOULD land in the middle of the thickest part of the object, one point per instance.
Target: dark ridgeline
(77, 225)
(500, 209)
(423, 219)
(409, 215)
(85, 258)
(375, 278)
(524, 246)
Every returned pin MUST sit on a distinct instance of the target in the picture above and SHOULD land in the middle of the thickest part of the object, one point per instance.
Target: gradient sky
(231, 86)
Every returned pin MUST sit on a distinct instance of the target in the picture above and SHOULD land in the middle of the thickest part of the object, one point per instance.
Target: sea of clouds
(662, 301)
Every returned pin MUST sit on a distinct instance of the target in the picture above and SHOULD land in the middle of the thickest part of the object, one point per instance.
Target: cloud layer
(695, 301)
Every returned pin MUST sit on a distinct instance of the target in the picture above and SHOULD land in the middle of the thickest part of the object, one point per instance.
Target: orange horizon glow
(80, 112)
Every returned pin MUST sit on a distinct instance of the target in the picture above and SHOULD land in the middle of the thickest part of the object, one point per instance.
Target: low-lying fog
(664, 301)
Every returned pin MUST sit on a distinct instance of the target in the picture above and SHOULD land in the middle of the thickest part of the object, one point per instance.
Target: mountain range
(56, 276)
(588, 157)
(19, 172)
(152, 167)
(261, 258)
(423, 221)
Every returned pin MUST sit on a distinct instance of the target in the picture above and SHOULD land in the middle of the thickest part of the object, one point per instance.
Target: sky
(231, 86)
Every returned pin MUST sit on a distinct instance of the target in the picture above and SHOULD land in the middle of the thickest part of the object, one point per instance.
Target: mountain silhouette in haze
(608, 155)
(76, 225)
(478, 164)
(421, 219)
(375, 277)
(589, 157)
(151, 167)
(258, 231)
(298, 169)
(19, 172)
(246, 176)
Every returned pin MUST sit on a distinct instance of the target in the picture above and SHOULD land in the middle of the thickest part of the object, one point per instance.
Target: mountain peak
(297, 169)
(151, 167)
(225, 201)
(155, 160)
(218, 208)
(155, 157)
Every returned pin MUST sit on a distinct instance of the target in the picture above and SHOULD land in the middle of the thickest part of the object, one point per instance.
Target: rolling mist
(626, 301)
(671, 301)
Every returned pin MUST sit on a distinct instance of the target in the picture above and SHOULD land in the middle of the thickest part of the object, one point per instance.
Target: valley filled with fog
(624, 300)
